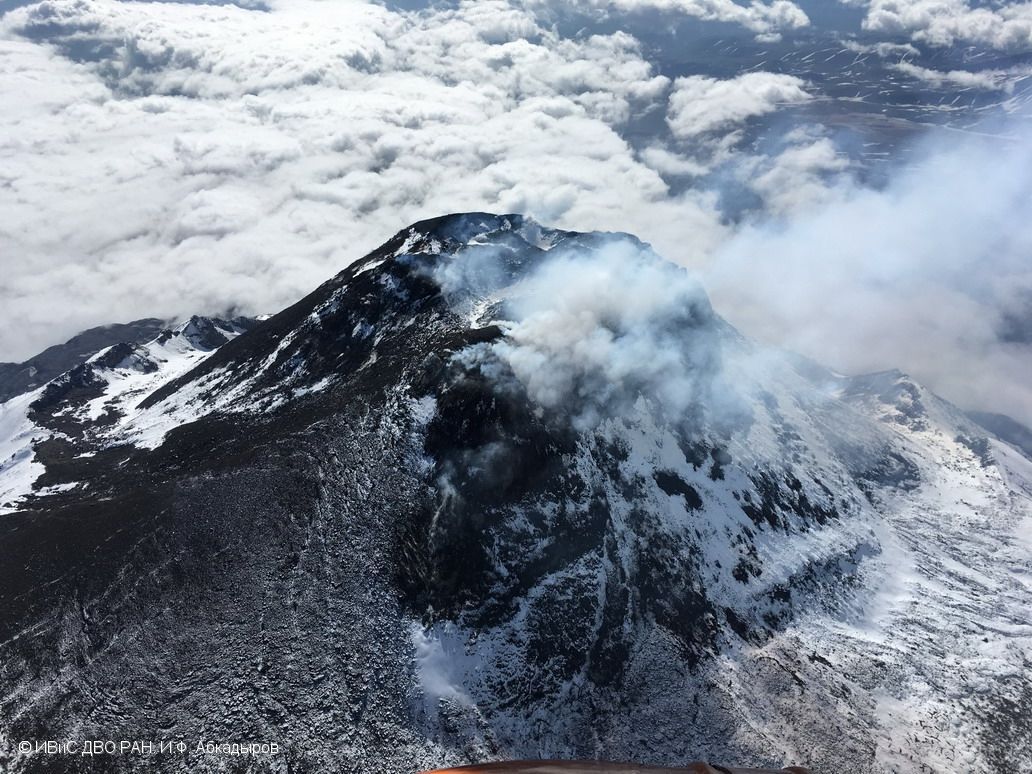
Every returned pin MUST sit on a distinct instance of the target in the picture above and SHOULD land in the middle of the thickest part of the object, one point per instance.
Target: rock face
(500, 491)
(16, 378)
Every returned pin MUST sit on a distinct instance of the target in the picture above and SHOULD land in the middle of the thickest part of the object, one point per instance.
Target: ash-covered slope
(502, 491)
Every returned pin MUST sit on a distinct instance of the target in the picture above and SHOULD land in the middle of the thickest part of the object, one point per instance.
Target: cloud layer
(178, 158)
(164, 159)
(1006, 25)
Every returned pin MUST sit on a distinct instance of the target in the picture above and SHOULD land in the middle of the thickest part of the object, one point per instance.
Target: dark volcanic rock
(1006, 429)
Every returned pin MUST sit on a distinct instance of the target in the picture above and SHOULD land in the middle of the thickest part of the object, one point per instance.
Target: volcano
(501, 491)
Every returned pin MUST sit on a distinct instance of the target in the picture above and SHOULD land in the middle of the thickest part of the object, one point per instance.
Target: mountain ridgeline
(503, 491)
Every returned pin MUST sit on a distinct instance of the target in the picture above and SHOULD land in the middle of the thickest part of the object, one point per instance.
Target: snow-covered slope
(497, 490)
(18, 378)
(93, 405)
(18, 433)
(930, 658)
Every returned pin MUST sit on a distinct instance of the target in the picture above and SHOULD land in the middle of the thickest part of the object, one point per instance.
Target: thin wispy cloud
(177, 158)
(700, 105)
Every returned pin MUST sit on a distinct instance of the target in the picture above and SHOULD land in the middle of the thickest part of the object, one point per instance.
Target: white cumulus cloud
(1002, 25)
(160, 159)
(700, 104)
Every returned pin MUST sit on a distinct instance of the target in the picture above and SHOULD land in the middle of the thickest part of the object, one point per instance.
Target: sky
(848, 179)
